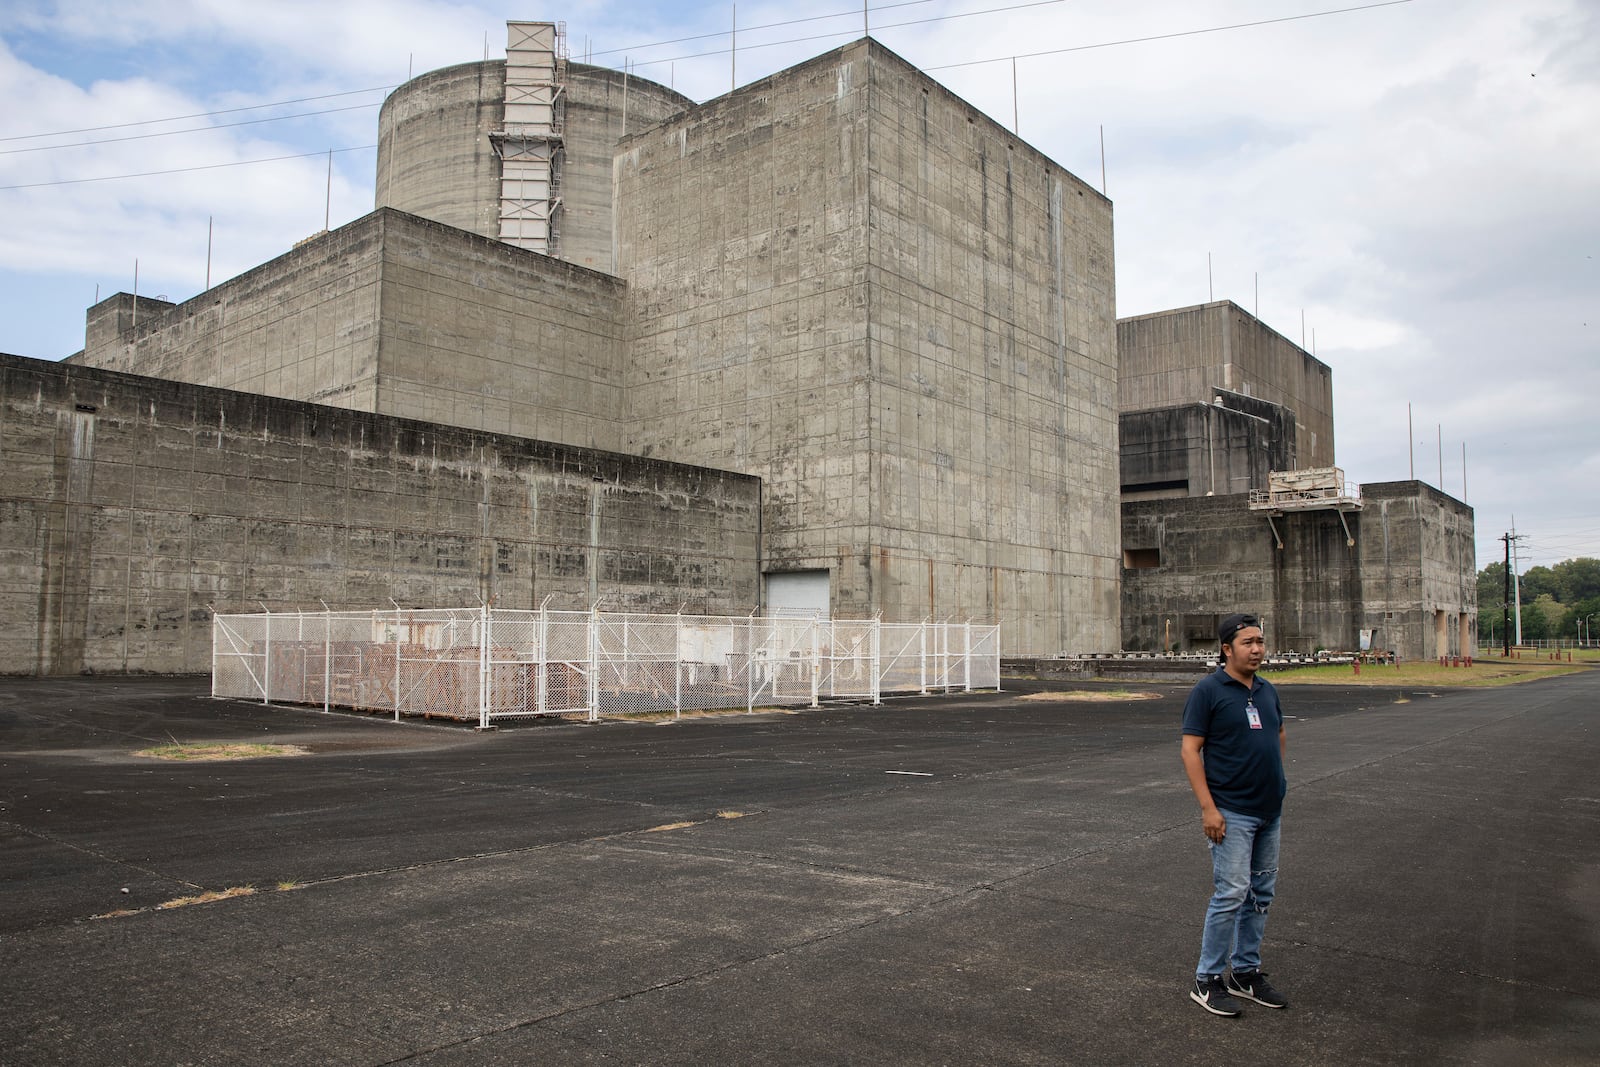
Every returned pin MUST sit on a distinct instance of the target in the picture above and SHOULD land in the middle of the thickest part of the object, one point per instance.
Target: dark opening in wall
(1155, 490)
(1137, 559)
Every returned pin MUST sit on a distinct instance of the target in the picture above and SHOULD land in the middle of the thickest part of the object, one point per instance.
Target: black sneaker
(1253, 985)
(1212, 995)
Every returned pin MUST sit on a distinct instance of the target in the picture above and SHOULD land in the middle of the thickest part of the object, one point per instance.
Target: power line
(198, 114)
(722, 33)
(851, 33)
(766, 26)
(187, 170)
(1028, 55)
(195, 129)
(1172, 36)
(917, 22)
(611, 51)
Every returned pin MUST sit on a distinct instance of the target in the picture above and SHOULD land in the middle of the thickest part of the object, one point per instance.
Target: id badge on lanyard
(1252, 714)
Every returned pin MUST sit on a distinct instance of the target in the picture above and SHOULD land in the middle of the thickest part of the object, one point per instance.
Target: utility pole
(1505, 627)
(1516, 579)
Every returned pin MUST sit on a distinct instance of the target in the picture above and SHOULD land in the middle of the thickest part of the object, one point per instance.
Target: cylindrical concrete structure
(434, 154)
(436, 160)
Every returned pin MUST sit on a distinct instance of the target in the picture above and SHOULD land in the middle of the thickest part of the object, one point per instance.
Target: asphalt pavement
(972, 878)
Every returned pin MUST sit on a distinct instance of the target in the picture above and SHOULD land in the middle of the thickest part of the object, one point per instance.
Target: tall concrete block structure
(902, 318)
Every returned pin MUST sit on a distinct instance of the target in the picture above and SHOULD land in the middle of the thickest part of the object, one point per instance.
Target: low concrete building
(1230, 503)
(1396, 576)
(131, 508)
(397, 315)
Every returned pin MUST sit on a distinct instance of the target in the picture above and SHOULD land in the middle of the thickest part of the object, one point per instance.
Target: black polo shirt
(1244, 764)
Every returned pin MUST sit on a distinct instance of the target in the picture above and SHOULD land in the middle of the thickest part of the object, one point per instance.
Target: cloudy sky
(1411, 188)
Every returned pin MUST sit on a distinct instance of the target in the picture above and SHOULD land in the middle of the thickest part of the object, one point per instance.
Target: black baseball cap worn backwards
(1233, 624)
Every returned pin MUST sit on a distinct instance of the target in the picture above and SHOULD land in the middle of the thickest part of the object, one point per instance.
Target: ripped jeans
(1244, 869)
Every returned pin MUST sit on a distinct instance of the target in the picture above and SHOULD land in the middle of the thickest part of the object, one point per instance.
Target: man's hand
(1216, 827)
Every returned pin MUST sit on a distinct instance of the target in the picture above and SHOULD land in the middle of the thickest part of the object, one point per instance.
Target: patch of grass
(668, 826)
(1089, 695)
(196, 753)
(732, 814)
(207, 897)
(1483, 672)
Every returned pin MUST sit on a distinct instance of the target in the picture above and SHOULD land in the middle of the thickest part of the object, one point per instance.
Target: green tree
(1535, 626)
(1579, 579)
(1583, 609)
(1554, 600)
(1492, 591)
(1569, 629)
(1557, 616)
(1537, 582)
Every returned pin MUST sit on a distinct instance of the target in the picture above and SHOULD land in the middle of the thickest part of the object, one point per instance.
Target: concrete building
(1194, 354)
(1401, 578)
(901, 317)
(1230, 502)
(842, 280)
(133, 508)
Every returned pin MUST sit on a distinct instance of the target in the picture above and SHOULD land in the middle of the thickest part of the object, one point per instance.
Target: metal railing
(484, 664)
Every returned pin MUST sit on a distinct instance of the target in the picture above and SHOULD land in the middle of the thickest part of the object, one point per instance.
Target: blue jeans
(1244, 869)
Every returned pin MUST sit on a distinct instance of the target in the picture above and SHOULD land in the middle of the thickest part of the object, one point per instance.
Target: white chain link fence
(484, 664)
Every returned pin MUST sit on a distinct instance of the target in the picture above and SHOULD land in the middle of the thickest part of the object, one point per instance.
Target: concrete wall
(436, 160)
(301, 326)
(993, 347)
(1191, 561)
(603, 107)
(1419, 569)
(476, 333)
(132, 508)
(902, 318)
(398, 315)
(1187, 354)
(1204, 449)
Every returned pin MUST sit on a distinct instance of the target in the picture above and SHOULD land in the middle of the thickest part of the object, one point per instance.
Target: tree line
(1554, 600)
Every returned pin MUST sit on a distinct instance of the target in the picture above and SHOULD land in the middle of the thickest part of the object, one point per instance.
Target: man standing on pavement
(1233, 744)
